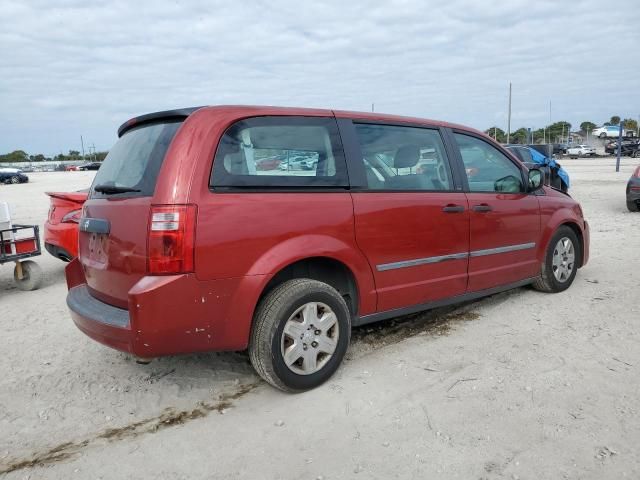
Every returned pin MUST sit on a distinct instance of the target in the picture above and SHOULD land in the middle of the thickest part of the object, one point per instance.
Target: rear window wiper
(111, 189)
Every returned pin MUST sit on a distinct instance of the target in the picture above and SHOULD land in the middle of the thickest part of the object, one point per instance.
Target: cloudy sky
(71, 68)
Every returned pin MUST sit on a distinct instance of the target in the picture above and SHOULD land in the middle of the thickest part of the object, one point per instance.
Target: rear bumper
(104, 323)
(168, 315)
(61, 238)
(58, 252)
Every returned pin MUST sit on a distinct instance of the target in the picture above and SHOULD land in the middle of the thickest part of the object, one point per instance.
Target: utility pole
(509, 117)
(372, 108)
(619, 146)
(82, 144)
(550, 121)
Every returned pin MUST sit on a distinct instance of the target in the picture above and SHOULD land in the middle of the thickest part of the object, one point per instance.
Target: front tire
(301, 332)
(633, 206)
(14, 180)
(561, 262)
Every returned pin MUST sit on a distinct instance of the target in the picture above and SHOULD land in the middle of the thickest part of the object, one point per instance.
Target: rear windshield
(135, 159)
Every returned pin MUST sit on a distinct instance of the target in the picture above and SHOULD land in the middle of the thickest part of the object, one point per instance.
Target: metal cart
(17, 243)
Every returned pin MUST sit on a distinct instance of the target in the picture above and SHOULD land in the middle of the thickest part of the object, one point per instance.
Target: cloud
(72, 68)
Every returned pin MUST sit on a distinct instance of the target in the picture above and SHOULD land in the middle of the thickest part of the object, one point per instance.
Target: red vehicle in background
(61, 227)
(270, 163)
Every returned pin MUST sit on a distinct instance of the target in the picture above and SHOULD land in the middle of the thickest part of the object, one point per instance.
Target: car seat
(408, 156)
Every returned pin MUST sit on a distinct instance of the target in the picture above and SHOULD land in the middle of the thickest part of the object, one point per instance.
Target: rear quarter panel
(261, 233)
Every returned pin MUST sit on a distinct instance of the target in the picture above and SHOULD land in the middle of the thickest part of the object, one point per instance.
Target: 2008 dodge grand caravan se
(278, 229)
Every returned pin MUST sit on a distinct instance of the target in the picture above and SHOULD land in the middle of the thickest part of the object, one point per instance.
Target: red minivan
(187, 244)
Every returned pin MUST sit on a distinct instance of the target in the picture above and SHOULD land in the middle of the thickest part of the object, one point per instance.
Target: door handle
(483, 207)
(451, 208)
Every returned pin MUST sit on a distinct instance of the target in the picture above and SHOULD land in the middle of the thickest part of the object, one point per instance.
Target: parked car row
(630, 148)
(83, 167)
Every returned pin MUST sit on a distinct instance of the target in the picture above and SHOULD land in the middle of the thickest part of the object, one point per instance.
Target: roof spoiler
(178, 114)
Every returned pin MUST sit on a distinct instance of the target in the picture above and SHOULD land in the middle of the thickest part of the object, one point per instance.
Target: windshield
(133, 163)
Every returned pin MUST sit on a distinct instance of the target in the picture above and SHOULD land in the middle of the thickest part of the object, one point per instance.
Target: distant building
(576, 137)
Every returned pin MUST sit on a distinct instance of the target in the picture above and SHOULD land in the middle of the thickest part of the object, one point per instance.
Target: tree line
(73, 155)
(551, 133)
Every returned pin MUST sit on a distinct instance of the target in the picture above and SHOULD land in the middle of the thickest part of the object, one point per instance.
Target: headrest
(407, 156)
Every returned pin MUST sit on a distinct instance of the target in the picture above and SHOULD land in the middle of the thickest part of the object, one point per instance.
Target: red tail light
(171, 239)
(72, 217)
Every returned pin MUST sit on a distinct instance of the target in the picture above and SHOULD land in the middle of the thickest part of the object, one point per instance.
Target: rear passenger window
(280, 152)
(403, 158)
(488, 169)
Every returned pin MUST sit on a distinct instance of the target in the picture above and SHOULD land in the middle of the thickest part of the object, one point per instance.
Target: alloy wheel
(309, 338)
(563, 261)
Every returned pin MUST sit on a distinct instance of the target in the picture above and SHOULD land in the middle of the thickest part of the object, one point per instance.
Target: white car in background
(606, 131)
(581, 151)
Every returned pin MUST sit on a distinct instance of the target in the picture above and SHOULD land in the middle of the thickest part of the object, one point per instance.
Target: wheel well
(323, 269)
(578, 233)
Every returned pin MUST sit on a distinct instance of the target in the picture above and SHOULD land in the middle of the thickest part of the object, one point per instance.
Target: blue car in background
(558, 176)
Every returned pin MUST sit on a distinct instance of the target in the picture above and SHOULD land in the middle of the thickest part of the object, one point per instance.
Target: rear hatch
(114, 226)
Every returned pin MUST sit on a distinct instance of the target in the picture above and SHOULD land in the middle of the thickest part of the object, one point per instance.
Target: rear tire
(633, 206)
(560, 263)
(292, 331)
(14, 180)
(31, 275)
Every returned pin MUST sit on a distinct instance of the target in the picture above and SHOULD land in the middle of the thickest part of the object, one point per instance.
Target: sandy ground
(519, 385)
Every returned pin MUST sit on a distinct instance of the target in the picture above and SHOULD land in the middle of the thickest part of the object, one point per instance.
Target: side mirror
(536, 179)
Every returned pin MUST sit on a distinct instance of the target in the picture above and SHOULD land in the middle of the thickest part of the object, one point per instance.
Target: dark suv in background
(628, 148)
